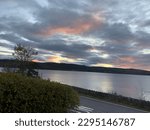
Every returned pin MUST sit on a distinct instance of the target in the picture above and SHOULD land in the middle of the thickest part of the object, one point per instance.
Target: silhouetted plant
(24, 55)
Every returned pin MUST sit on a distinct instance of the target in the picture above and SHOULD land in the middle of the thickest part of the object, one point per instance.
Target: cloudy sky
(109, 33)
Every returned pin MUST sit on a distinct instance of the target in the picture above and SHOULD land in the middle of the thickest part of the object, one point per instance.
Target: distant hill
(74, 67)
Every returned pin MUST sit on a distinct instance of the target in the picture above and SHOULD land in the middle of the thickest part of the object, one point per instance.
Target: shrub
(25, 94)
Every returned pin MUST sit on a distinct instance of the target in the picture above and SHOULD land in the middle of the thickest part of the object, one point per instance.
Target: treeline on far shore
(127, 101)
(74, 67)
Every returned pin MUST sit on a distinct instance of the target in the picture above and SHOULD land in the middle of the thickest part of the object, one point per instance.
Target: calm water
(135, 86)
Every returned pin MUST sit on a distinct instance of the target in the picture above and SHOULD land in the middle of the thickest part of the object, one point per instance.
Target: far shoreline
(74, 67)
(95, 72)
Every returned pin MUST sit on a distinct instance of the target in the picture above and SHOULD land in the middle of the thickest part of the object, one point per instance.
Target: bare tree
(24, 55)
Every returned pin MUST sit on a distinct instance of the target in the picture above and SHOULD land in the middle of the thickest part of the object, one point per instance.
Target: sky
(107, 33)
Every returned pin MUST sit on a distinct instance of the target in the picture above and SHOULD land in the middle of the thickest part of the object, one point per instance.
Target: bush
(23, 94)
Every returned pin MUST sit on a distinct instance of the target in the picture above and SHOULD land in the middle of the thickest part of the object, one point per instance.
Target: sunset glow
(59, 59)
(103, 65)
(106, 33)
(77, 27)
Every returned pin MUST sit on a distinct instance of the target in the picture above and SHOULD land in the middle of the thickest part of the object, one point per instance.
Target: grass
(131, 102)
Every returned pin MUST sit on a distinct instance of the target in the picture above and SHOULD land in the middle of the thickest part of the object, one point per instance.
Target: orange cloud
(133, 66)
(66, 30)
(37, 61)
(103, 65)
(126, 62)
(77, 27)
(127, 66)
(128, 59)
(59, 59)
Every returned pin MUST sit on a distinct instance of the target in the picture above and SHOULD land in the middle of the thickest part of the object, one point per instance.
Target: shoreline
(75, 67)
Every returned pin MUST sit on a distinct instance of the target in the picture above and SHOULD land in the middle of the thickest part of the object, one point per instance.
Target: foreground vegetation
(23, 94)
(139, 104)
(20, 93)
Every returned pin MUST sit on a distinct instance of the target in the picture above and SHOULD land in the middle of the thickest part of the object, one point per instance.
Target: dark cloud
(70, 50)
(96, 59)
(143, 59)
(146, 23)
(117, 49)
(6, 44)
(90, 32)
(143, 39)
(116, 32)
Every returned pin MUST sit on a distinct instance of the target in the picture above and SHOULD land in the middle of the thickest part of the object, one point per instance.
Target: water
(135, 86)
